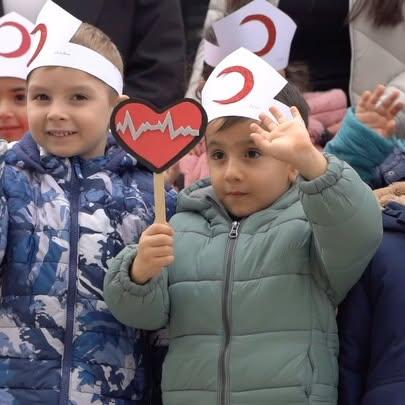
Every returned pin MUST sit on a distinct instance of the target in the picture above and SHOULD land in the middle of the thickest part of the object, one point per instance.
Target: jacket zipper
(223, 380)
(72, 288)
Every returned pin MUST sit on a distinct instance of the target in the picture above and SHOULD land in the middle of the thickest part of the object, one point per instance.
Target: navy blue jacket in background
(371, 324)
(150, 37)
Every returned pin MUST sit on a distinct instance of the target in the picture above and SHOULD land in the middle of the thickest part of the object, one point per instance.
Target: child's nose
(57, 111)
(233, 170)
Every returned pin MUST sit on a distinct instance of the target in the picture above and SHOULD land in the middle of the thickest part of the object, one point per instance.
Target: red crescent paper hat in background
(15, 45)
(242, 85)
(259, 27)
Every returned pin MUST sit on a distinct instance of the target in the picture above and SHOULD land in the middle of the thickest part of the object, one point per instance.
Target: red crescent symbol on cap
(25, 41)
(271, 30)
(247, 87)
(44, 32)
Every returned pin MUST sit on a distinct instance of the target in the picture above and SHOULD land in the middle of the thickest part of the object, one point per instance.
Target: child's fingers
(297, 116)
(376, 95)
(386, 199)
(380, 192)
(278, 115)
(396, 108)
(260, 140)
(258, 133)
(161, 251)
(295, 112)
(400, 199)
(160, 240)
(156, 229)
(364, 100)
(264, 141)
(256, 128)
(390, 100)
(268, 121)
(386, 103)
(398, 188)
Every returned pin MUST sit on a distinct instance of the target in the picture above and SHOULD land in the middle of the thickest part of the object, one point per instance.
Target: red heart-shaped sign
(158, 138)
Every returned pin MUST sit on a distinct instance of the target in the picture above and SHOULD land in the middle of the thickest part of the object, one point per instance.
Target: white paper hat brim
(81, 58)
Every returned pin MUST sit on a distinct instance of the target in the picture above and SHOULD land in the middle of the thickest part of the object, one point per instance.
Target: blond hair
(93, 38)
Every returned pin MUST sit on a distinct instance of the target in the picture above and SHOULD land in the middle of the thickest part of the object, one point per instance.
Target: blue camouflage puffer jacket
(59, 344)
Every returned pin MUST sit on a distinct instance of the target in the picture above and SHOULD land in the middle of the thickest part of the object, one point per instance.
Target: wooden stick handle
(160, 201)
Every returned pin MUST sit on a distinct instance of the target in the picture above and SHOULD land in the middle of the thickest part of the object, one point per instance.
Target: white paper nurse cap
(56, 28)
(15, 45)
(242, 85)
(260, 27)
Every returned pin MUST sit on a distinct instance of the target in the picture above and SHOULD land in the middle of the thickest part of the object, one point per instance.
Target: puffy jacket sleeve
(346, 226)
(360, 146)
(140, 306)
(354, 325)
(3, 204)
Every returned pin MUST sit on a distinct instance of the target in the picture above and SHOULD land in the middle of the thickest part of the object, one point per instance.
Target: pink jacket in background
(194, 165)
(327, 109)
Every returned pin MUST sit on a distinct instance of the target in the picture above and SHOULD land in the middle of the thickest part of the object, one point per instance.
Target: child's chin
(11, 136)
(61, 152)
(238, 212)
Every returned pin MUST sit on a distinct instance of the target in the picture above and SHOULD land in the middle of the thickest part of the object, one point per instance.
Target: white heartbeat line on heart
(160, 126)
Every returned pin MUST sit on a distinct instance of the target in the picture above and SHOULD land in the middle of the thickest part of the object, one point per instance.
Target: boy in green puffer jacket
(250, 270)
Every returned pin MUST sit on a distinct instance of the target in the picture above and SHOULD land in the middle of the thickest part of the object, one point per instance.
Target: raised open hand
(289, 141)
(378, 112)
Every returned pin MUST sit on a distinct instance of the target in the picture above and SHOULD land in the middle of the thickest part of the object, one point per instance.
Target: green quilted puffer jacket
(250, 304)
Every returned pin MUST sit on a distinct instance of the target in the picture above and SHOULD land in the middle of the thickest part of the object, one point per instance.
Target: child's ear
(121, 98)
(115, 99)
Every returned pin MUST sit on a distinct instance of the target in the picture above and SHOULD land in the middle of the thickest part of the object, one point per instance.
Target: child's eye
(41, 97)
(79, 97)
(253, 154)
(20, 98)
(217, 155)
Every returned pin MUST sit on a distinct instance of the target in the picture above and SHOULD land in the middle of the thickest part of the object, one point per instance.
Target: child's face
(245, 179)
(13, 109)
(69, 111)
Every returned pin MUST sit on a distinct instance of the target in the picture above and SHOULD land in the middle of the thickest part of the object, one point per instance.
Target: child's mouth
(9, 128)
(236, 194)
(60, 133)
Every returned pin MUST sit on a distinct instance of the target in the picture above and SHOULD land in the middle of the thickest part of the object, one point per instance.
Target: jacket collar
(201, 198)
(26, 154)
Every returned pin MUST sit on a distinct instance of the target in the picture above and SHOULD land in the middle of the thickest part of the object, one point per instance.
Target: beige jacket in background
(378, 56)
